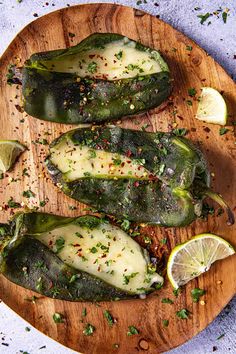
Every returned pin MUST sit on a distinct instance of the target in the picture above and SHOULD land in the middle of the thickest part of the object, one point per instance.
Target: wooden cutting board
(191, 67)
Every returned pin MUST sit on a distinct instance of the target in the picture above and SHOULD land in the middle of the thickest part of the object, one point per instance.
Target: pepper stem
(218, 199)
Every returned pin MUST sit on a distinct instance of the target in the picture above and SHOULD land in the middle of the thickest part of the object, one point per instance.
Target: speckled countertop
(219, 40)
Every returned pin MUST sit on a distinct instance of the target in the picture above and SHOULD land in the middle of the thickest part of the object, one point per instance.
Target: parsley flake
(132, 330)
(183, 314)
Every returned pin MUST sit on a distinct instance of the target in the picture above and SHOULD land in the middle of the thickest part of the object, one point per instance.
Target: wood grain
(190, 68)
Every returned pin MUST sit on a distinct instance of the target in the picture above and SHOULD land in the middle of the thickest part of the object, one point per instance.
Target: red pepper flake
(50, 243)
(136, 183)
(128, 153)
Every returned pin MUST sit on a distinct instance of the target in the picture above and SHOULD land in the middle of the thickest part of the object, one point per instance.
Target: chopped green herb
(223, 131)
(109, 318)
(176, 292)
(119, 55)
(192, 92)
(71, 35)
(165, 323)
(88, 330)
(224, 16)
(12, 204)
(189, 102)
(27, 329)
(128, 277)
(166, 300)
(10, 73)
(197, 293)
(161, 168)
(25, 172)
(180, 131)
(204, 17)
(58, 317)
(125, 225)
(132, 330)
(158, 286)
(183, 314)
(221, 336)
(92, 67)
(116, 161)
(189, 48)
(28, 194)
(84, 312)
(42, 203)
(147, 240)
(39, 285)
(87, 174)
(145, 126)
(60, 243)
(92, 154)
(93, 250)
(31, 299)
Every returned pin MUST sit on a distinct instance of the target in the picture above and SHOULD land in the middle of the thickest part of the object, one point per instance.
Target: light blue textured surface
(219, 40)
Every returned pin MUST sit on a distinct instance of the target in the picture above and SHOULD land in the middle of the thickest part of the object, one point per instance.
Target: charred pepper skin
(173, 195)
(20, 250)
(64, 97)
(165, 200)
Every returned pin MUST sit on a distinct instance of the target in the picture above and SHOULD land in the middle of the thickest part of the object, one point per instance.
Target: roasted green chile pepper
(156, 178)
(104, 77)
(75, 259)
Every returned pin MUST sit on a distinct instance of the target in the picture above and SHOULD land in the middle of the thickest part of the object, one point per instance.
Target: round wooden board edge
(190, 41)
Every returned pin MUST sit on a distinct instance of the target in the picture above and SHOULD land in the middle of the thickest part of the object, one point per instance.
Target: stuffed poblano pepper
(155, 178)
(104, 77)
(75, 259)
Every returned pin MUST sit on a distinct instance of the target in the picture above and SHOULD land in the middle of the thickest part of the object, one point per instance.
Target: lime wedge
(194, 257)
(212, 107)
(9, 151)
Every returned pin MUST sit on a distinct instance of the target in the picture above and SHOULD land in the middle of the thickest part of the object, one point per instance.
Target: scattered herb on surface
(163, 241)
(125, 225)
(204, 17)
(88, 330)
(60, 243)
(183, 314)
(132, 330)
(189, 48)
(58, 317)
(224, 16)
(192, 92)
(221, 336)
(28, 194)
(165, 323)
(167, 300)
(197, 293)
(12, 204)
(180, 131)
(84, 312)
(128, 277)
(92, 67)
(119, 55)
(223, 131)
(109, 318)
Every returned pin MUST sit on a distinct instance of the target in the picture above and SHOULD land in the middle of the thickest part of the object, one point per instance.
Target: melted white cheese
(81, 161)
(106, 252)
(117, 60)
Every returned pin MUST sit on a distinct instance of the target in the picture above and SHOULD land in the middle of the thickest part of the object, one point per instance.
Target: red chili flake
(50, 284)
(122, 165)
(50, 243)
(91, 56)
(128, 153)
(136, 183)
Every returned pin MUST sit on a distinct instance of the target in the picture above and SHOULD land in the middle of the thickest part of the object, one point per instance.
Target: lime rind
(194, 257)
